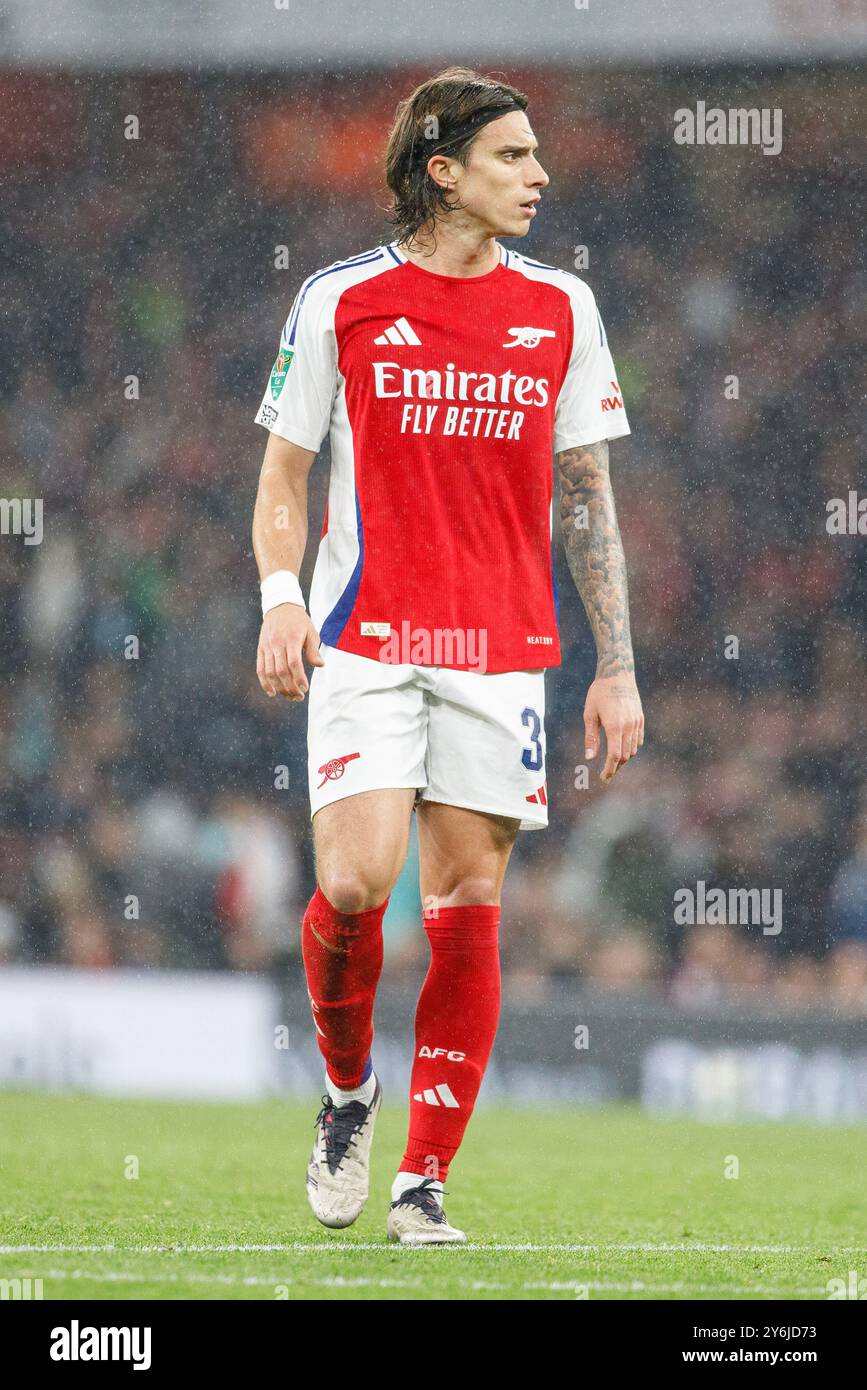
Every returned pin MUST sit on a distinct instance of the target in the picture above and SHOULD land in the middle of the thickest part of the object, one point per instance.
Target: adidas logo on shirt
(400, 334)
(440, 1095)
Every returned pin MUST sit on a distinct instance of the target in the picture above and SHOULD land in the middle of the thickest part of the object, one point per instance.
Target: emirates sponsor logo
(391, 381)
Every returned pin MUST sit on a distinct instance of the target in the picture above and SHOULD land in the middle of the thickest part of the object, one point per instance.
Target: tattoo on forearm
(595, 553)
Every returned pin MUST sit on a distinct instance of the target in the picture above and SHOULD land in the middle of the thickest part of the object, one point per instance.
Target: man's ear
(438, 169)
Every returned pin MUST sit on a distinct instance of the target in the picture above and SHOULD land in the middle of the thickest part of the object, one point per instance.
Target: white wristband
(281, 587)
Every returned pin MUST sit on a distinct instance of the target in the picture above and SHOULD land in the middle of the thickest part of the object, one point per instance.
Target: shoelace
(340, 1123)
(424, 1199)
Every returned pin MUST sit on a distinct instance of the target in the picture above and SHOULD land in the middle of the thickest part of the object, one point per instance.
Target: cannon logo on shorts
(334, 769)
(282, 363)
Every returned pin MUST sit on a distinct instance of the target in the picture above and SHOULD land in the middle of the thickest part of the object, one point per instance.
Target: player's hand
(614, 703)
(287, 635)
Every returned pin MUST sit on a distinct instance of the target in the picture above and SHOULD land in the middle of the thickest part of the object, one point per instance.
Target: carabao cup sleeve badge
(279, 370)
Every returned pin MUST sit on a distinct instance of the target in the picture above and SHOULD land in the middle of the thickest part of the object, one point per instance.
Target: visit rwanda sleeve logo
(279, 370)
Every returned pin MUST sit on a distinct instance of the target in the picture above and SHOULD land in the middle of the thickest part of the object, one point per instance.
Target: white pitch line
(253, 1280)
(474, 1285)
(332, 1246)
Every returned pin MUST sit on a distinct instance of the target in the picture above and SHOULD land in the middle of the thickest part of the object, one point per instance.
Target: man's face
(502, 181)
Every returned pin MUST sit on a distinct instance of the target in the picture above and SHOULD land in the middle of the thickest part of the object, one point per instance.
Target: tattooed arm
(595, 554)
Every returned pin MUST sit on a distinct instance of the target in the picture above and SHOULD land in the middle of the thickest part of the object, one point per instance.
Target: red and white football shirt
(444, 398)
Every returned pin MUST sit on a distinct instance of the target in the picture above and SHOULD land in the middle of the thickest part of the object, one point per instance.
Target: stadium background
(154, 777)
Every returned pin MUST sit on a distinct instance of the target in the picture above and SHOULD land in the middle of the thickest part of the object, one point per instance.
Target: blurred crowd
(153, 802)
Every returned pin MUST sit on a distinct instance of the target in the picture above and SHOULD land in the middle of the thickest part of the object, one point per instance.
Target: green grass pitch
(597, 1204)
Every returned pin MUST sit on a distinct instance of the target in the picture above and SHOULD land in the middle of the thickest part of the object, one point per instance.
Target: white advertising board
(129, 1033)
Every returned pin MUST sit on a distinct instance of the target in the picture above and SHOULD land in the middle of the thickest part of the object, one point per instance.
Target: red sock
(343, 961)
(455, 1026)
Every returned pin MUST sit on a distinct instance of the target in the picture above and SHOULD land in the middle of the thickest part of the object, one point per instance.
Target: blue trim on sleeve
(540, 265)
(332, 629)
(367, 258)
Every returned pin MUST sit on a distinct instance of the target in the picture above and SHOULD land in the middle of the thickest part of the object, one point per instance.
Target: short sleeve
(590, 404)
(300, 391)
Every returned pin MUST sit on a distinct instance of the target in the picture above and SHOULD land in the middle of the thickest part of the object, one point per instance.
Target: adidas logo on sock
(440, 1095)
(400, 334)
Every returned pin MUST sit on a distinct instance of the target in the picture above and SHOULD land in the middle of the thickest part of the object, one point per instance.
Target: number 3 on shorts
(532, 757)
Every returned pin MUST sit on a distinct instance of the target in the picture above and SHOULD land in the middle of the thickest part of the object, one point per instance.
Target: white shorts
(464, 738)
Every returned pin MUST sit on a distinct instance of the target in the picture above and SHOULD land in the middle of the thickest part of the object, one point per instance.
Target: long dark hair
(443, 115)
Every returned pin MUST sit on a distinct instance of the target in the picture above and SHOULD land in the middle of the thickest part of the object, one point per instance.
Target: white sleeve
(590, 403)
(300, 391)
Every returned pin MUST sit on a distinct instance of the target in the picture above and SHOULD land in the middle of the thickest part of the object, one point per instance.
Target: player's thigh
(463, 854)
(486, 745)
(366, 728)
(361, 843)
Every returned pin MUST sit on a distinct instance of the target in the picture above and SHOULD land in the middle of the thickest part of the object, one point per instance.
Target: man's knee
(351, 890)
(466, 890)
